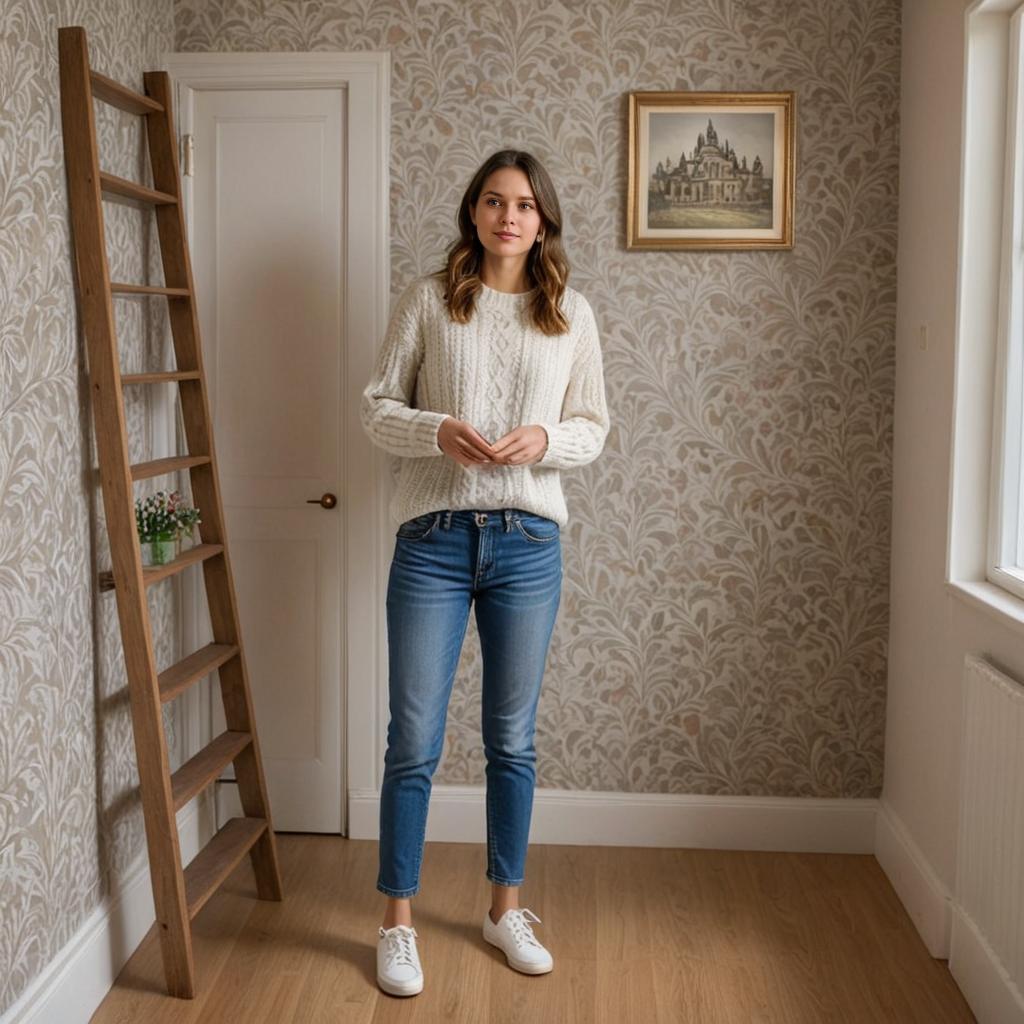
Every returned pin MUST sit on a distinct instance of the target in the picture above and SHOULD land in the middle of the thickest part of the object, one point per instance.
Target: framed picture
(710, 170)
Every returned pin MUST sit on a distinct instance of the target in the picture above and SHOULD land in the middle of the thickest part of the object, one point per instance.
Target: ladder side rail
(93, 279)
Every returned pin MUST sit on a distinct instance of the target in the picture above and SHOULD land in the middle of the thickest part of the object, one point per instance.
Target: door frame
(363, 497)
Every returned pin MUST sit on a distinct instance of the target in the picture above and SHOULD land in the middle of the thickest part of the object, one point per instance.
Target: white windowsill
(995, 601)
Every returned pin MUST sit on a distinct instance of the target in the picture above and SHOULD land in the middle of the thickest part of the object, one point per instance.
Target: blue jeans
(510, 562)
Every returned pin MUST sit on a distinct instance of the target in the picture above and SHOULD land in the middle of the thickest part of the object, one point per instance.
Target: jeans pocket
(539, 529)
(418, 527)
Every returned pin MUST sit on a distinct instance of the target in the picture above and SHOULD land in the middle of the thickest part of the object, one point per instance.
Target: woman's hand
(521, 446)
(460, 440)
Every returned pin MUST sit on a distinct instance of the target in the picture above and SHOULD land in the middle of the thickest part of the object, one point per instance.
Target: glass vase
(159, 548)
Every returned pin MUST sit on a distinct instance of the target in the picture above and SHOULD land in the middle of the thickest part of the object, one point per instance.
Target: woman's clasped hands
(462, 442)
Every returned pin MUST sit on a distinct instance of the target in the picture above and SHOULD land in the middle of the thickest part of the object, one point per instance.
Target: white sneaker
(514, 936)
(398, 963)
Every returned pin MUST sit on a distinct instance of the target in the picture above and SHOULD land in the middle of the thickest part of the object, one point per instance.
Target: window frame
(1005, 549)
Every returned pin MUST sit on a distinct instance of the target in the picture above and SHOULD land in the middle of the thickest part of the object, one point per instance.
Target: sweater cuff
(441, 417)
(425, 428)
(422, 437)
(549, 430)
(572, 442)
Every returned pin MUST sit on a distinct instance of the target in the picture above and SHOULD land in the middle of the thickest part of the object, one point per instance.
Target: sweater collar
(508, 302)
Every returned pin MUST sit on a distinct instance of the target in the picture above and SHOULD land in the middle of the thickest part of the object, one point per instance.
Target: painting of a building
(712, 187)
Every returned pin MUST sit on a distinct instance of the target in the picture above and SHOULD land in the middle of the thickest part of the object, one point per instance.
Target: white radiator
(987, 941)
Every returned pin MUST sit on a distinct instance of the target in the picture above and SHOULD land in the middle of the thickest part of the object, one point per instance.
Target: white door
(267, 264)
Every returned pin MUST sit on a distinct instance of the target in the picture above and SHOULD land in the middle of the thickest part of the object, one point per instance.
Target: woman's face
(506, 216)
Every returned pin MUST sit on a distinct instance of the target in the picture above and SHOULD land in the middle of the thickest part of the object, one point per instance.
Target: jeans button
(481, 518)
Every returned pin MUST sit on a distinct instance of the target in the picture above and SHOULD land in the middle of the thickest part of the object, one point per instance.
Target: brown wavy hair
(547, 267)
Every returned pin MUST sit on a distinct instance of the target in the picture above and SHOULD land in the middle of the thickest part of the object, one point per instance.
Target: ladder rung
(155, 573)
(113, 185)
(118, 95)
(158, 467)
(199, 771)
(218, 859)
(196, 666)
(162, 377)
(118, 287)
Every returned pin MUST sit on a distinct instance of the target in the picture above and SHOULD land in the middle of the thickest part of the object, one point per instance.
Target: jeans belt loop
(448, 519)
(508, 519)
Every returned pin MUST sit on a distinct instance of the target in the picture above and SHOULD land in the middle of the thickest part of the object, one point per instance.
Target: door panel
(268, 268)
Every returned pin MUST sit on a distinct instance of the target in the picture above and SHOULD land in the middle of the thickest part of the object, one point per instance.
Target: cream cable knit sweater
(497, 372)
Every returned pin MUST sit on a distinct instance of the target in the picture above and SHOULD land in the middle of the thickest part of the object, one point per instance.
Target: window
(985, 535)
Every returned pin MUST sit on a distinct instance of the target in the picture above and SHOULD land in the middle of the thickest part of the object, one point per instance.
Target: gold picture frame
(711, 170)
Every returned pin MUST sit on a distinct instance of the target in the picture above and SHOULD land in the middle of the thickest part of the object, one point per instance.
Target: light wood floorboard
(638, 935)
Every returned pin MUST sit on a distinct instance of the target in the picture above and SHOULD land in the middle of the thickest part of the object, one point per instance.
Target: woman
(489, 382)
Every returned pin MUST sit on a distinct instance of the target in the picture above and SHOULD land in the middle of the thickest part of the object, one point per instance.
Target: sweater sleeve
(580, 435)
(385, 411)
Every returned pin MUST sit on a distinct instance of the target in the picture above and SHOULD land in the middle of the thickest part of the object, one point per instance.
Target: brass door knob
(328, 500)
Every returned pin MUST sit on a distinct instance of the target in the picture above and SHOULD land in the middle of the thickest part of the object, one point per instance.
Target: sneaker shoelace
(399, 947)
(521, 930)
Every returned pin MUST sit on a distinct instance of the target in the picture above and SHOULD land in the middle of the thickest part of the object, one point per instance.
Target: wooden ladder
(178, 894)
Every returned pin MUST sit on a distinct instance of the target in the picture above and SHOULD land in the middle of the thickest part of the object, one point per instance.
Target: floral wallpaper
(70, 815)
(724, 614)
(723, 624)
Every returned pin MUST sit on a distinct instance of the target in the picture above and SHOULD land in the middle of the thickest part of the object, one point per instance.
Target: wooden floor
(638, 935)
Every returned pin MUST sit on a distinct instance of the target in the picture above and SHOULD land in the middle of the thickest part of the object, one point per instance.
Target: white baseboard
(70, 988)
(920, 890)
(589, 818)
(988, 988)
